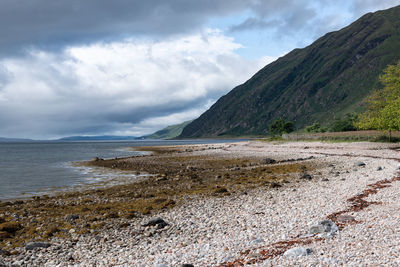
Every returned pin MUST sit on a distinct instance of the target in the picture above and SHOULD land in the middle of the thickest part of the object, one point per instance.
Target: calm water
(30, 168)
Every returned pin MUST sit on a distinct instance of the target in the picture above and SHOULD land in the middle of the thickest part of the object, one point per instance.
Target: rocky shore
(259, 203)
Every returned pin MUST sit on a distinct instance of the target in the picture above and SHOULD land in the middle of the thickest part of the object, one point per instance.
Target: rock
(32, 245)
(359, 164)
(379, 168)
(2, 263)
(97, 159)
(221, 190)
(71, 217)
(306, 176)
(325, 228)
(187, 265)
(4, 235)
(160, 223)
(268, 161)
(325, 180)
(4, 253)
(274, 185)
(162, 178)
(345, 218)
(298, 251)
(10, 227)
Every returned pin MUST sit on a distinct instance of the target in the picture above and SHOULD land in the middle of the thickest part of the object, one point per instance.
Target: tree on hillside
(344, 124)
(383, 106)
(281, 126)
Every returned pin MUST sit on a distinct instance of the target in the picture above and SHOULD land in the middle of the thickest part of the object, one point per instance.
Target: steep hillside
(330, 77)
(169, 132)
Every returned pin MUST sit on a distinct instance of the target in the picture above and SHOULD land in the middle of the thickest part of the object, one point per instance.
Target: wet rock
(97, 159)
(325, 228)
(10, 227)
(221, 190)
(274, 185)
(159, 222)
(162, 178)
(359, 164)
(268, 161)
(32, 245)
(306, 176)
(4, 253)
(298, 251)
(71, 217)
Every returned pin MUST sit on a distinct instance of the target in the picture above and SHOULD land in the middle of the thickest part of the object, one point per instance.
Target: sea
(35, 168)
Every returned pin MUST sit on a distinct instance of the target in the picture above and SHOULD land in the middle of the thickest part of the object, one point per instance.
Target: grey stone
(325, 228)
(71, 217)
(379, 168)
(159, 222)
(268, 161)
(32, 245)
(306, 176)
(359, 164)
(2, 264)
(298, 251)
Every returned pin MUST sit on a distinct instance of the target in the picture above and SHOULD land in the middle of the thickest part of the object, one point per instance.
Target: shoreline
(208, 178)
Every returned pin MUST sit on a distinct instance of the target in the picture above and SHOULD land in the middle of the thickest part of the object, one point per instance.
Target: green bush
(281, 126)
(344, 124)
(315, 128)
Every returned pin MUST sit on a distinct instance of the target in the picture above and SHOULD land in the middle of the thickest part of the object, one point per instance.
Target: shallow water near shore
(32, 168)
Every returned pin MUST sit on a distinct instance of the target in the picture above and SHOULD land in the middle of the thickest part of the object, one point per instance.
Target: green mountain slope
(169, 132)
(329, 78)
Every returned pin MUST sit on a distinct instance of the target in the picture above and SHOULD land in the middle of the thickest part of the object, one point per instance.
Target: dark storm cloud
(50, 23)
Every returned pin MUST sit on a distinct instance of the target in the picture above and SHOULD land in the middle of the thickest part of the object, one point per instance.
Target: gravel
(209, 232)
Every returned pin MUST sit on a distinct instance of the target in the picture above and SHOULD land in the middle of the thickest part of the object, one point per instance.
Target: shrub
(344, 124)
(315, 128)
(281, 126)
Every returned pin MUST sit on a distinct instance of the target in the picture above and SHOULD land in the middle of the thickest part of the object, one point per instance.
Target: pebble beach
(354, 186)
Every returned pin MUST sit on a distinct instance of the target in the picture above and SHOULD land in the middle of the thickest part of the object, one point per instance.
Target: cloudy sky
(128, 67)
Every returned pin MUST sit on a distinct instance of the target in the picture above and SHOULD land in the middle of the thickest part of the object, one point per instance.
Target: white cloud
(130, 87)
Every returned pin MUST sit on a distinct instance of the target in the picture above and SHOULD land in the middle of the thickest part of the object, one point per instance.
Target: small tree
(383, 106)
(281, 126)
(315, 128)
(344, 124)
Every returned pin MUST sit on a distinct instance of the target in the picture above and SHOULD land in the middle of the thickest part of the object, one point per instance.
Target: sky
(128, 67)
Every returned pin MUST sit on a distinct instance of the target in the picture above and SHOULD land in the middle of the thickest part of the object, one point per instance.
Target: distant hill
(169, 132)
(98, 138)
(5, 139)
(329, 78)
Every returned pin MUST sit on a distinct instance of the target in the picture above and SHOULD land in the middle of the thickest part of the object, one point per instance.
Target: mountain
(329, 78)
(98, 138)
(169, 132)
